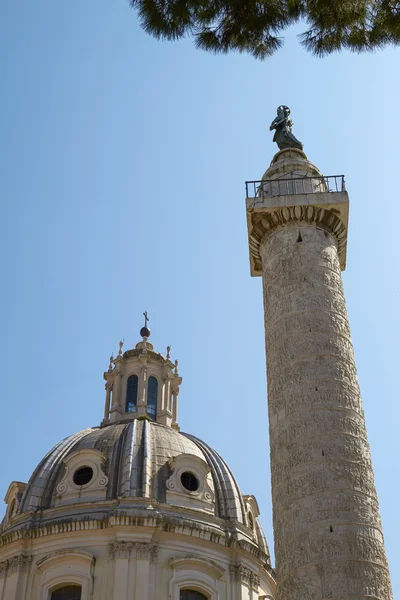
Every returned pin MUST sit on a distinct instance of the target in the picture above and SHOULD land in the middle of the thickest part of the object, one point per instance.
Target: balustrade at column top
(293, 192)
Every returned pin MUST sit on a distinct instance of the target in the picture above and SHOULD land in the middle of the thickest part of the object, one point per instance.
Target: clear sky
(123, 163)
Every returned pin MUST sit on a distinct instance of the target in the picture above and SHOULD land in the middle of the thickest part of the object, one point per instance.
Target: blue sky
(123, 163)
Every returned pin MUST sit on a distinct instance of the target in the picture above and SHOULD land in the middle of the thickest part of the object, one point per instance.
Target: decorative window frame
(66, 567)
(195, 573)
(13, 499)
(69, 492)
(201, 499)
(251, 506)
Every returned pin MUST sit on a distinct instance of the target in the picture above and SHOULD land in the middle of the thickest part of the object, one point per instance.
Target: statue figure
(283, 130)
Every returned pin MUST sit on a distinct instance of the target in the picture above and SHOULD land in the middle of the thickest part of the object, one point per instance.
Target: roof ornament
(168, 352)
(176, 368)
(283, 129)
(110, 366)
(145, 331)
(120, 347)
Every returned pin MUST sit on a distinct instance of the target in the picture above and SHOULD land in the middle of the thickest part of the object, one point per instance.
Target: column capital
(245, 575)
(15, 563)
(267, 214)
(123, 549)
(120, 549)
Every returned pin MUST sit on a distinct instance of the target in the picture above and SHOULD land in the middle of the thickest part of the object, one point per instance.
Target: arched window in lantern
(68, 592)
(152, 393)
(131, 394)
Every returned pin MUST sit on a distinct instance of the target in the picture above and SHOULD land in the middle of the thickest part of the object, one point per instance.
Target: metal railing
(300, 185)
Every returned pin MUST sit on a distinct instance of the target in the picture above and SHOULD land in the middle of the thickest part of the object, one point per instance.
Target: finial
(168, 352)
(176, 368)
(283, 129)
(110, 366)
(145, 331)
(120, 347)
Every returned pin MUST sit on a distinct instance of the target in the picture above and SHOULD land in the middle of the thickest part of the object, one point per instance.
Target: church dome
(140, 462)
(134, 495)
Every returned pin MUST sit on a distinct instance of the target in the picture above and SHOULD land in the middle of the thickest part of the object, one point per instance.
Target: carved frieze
(358, 579)
(324, 498)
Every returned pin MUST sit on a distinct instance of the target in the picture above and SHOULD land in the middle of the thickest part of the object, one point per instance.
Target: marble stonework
(327, 529)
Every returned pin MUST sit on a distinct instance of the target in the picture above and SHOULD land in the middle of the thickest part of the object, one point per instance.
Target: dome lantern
(142, 384)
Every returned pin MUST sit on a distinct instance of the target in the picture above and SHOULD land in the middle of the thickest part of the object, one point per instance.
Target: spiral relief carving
(328, 538)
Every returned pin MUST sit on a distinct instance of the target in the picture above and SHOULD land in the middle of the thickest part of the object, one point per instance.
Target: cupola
(142, 384)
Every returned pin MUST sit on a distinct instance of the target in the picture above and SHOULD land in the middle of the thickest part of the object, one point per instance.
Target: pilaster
(142, 391)
(13, 577)
(121, 553)
(116, 409)
(127, 586)
(245, 582)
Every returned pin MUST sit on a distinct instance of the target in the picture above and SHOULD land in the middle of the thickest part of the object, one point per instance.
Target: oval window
(189, 481)
(83, 475)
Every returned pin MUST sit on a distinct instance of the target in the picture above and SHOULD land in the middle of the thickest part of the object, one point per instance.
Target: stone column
(108, 387)
(327, 528)
(164, 414)
(175, 395)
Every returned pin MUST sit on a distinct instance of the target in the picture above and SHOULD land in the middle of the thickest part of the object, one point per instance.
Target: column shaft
(327, 528)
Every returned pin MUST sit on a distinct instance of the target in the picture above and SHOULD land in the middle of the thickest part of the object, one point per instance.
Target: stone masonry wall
(327, 528)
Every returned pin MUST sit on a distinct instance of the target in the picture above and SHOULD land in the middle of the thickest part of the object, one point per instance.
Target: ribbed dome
(128, 447)
(137, 464)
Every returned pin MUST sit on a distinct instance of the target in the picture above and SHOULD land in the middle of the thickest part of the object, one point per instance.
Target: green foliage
(143, 418)
(255, 27)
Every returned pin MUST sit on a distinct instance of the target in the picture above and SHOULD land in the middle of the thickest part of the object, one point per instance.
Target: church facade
(134, 509)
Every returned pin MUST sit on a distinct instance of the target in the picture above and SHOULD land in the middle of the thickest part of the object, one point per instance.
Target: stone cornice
(250, 548)
(166, 523)
(149, 355)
